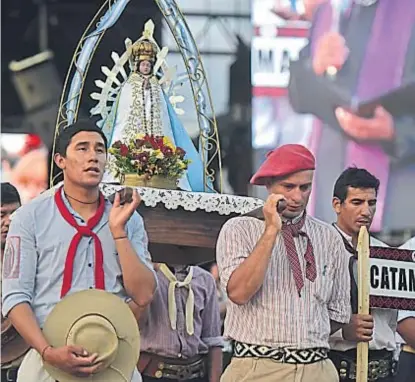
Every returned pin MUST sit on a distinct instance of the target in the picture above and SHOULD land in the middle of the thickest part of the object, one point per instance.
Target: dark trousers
(406, 367)
(9, 375)
(226, 360)
(337, 357)
(388, 379)
(151, 379)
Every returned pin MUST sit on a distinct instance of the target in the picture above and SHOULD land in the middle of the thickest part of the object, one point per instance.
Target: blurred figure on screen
(5, 169)
(32, 142)
(310, 6)
(368, 66)
(292, 10)
(30, 174)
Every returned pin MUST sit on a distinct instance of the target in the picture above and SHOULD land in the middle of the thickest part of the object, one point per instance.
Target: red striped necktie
(73, 246)
(289, 232)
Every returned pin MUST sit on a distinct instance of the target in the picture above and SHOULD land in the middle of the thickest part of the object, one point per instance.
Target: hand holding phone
(281, 205)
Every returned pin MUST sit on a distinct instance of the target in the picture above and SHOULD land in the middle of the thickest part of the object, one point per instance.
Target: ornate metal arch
(105, 18)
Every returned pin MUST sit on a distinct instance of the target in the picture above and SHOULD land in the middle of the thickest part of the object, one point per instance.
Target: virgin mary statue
(142, 106)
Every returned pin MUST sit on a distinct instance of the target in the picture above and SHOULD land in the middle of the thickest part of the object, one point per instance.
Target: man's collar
(344, 234)
(67, 204)
(294, 220)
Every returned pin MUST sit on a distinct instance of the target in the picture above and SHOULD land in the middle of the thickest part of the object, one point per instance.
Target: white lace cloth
(191, 201)
(223, 204)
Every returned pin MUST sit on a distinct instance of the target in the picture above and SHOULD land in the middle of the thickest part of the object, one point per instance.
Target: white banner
(390, 278)
(271, 59)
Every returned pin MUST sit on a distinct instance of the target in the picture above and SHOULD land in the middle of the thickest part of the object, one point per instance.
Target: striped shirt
(157, 335)
(276, 316)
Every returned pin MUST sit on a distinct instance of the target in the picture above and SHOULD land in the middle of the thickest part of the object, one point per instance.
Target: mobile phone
(281, 205)
(126, 196)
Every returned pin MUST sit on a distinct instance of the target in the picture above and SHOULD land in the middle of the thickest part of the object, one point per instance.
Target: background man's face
(357, 210)
(6, 211)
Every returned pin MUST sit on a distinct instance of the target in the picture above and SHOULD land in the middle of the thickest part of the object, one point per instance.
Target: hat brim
(13, 350)
(267, 172)
(115, 310)
(258, 180)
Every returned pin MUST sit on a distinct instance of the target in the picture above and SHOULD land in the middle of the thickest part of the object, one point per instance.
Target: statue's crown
(144, 50)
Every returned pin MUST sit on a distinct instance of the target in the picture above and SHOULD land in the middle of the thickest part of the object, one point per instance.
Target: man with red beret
(287, 280)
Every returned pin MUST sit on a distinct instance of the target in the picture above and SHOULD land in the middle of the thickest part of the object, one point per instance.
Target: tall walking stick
(363, 300)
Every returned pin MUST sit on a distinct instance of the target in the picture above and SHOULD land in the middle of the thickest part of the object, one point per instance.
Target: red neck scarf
(289, 231)
(73, 246)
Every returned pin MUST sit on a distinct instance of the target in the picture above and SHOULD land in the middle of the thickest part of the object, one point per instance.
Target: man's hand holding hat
(94, 335)
(73, 360)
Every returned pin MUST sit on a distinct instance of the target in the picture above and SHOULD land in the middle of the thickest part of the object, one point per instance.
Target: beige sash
(172, 298)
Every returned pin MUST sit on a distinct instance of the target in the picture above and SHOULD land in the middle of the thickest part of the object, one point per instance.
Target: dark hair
(356, 178)
(9, 194)
(64, 138)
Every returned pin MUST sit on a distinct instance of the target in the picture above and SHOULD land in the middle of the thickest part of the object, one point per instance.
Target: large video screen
(277, 40)
(281, 31)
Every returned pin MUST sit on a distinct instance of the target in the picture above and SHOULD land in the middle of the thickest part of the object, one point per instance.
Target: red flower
(167, 151)
(156, 142)
(180, 152)
(159, 142)
(142, 157)
(124, 150)
(152, 142)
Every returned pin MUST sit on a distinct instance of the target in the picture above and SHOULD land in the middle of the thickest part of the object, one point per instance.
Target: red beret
(283, 161)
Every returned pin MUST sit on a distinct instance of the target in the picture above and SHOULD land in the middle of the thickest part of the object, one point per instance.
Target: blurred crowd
(24, 163)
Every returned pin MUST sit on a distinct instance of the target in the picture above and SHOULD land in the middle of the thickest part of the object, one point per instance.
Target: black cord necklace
(79, 201)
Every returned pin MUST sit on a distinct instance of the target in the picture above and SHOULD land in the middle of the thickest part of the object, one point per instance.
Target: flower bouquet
(148, 161)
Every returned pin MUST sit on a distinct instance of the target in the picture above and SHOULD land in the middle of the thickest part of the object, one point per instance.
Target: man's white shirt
(385, 321)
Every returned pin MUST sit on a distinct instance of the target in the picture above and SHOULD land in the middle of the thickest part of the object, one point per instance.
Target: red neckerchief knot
(289, 232)
(73, 246)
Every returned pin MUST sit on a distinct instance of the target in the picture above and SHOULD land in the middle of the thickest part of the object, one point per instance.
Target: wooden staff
(363, 269)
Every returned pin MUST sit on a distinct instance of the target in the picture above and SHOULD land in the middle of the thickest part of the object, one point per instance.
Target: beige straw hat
(101, 323)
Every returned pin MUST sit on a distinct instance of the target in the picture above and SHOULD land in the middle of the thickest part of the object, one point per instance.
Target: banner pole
(363, 276)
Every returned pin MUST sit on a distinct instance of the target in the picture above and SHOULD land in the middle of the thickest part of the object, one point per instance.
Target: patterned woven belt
(283, 355)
